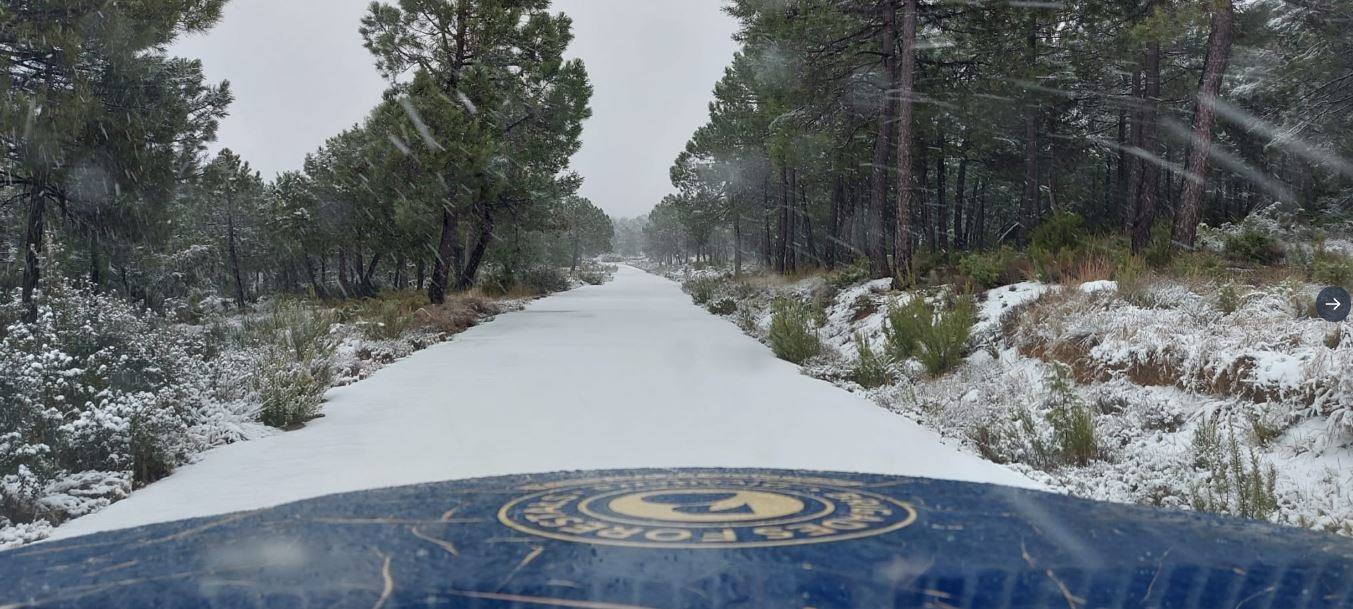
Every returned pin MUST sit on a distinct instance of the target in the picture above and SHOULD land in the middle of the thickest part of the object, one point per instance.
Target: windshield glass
(795, 280)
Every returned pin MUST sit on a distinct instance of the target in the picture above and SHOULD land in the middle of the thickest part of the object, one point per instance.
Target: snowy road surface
(624, 375)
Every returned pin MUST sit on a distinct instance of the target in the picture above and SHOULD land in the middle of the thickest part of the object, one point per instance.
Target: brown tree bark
(315, 285)
(465, 277)
(1150, 170)
(1200, 145)
(833, 236)
(782, 225)
(767, 244)
(878, 191)
(1029, 202)
(960, 239)
(979, 228)
(810, 251)
(1134, 162)
(737, 240)
(941, 227)
(443, 261)
(232, 251)
(906, 82)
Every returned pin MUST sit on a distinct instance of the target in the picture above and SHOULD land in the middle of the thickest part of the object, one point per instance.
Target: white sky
(300, 75)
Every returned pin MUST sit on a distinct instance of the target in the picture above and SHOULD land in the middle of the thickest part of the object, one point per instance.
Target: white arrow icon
(1334, 304)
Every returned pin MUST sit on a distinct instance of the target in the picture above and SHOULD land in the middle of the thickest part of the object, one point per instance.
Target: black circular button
(1332, 304)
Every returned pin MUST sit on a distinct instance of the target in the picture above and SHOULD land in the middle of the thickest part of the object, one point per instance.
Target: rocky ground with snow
(1226, 398)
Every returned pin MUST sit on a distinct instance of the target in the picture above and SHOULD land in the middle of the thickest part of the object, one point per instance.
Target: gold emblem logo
(704, 511)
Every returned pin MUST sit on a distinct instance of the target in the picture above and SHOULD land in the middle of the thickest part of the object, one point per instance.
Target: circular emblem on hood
(704, 511)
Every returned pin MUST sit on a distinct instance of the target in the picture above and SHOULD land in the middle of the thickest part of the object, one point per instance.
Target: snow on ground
(627, 374)
(1289, 376)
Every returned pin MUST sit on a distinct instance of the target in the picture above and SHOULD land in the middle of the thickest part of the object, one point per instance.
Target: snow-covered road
(625, 375)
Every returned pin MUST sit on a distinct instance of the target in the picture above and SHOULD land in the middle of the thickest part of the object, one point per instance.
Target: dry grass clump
(458, 314)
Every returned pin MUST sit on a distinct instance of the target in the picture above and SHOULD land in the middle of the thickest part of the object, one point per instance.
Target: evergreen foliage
(793, 335)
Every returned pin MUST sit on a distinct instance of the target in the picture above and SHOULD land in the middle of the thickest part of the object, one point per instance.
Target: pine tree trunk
(344, 284)
(1029, 203)
(906, 82)
(233, 254)
(1120, 189)
(980, 225)
(782, 226)
(445, 258)
(1150, 174)
(32, 244)
(832, 246)
(1135, 163)
(941, 203)
(466, 278)
(1195, 169)
(315, 285)
(737, 242)
(878, 192)
(368, 283)
(925, 233)
(791, 207)
(960, 239)
(810, 243)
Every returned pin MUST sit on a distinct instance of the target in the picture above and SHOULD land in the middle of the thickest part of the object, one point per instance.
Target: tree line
(105, 174)
(848, 130)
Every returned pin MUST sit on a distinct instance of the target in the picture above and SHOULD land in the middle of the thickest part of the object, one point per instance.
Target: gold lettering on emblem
(719, 536)
(668, 535)
(773, 533)
(619, 532)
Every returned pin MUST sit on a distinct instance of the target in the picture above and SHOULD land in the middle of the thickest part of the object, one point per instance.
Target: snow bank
(1153, 364)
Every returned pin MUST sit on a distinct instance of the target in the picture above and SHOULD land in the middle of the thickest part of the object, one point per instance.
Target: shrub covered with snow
(94, 389)
(793, 331)
(293, 363)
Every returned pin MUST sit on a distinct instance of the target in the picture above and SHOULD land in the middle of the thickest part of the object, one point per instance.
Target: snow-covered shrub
(95, 390)
(944, 343)
(1235, 481)
(103, 387)
(496, 280)
(851, 274)
(1253, 246)
(937, 339)
(792, 335)
(869, 370)
(1054, 247)
(991, 269)
(703, 289)
(542, 280)
(595, 274)
(385, 318)
(1228, 299)
(20, 495)
(903, 326)
(294, 364)
(724, 306)
(1331, 268)
(746, 320)
(1015, 437)
(1072, 422)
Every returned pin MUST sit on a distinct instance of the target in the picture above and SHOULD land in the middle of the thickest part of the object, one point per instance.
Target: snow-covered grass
(1132, 378)
(98, 398)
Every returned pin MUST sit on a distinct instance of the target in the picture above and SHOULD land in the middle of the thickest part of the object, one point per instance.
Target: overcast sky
(300, 75)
